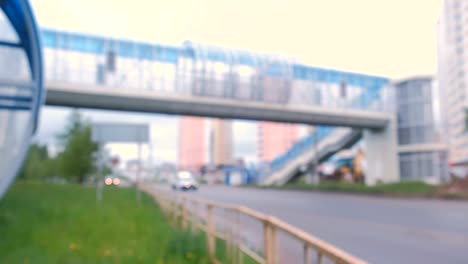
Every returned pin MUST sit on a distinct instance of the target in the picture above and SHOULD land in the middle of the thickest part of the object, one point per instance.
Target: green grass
(222, 256)
(404, 188)
(48, 223)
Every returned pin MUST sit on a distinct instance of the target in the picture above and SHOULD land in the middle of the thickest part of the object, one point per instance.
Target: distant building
(275, 138)
(421, 130)
(221, 142)
(204, 141)
(192, 143)
(452, 41)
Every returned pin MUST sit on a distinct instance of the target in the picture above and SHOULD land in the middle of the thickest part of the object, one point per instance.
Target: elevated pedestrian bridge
(192, 79)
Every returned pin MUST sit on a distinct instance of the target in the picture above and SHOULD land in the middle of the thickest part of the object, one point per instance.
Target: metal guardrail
(200, 214)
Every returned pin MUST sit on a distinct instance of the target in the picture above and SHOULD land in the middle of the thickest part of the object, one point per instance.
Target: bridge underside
(96, 97)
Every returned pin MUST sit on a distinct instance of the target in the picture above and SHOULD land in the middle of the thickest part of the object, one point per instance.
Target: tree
(466, 119)
(37, 164)
(76, 161)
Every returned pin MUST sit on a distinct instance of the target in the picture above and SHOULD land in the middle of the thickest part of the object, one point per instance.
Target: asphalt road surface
(379, 230)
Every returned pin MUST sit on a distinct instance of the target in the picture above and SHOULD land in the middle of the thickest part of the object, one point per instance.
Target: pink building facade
(275, 138)
(192, 145)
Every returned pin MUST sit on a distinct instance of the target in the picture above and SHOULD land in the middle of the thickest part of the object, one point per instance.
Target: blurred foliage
(38, 164)
(466, 119)
(190, 247)
(403, 188)
(75, 162)
(106, 170)
(456, 189)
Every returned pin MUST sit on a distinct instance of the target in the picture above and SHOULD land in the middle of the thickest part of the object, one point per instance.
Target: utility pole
(100, 177)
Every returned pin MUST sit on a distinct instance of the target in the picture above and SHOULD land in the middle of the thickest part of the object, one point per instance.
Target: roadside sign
(120, 133)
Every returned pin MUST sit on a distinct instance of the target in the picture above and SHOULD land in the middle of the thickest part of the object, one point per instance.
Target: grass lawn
(404, 188)
(49, 223)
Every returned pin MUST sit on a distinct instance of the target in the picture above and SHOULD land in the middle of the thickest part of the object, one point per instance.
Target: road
(379, 230)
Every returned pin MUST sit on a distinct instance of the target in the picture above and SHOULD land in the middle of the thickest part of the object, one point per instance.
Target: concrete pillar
(381, 155)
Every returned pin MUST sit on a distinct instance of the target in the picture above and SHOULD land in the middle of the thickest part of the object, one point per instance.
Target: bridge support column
(382, 163)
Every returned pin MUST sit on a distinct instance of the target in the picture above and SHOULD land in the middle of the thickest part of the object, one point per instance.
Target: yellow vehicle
(358, 170)
(344, 168)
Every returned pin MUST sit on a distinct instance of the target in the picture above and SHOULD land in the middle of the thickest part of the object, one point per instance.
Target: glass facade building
(421, 130)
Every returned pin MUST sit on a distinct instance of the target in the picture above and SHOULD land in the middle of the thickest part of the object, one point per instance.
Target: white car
(184, 181)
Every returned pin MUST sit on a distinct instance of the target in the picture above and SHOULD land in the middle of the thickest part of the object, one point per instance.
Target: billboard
(120, 133)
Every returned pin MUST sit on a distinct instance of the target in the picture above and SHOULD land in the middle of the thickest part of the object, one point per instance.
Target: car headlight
(108, 181)
(116, 181)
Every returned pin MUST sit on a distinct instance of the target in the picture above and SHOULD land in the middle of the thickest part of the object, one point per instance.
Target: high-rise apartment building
(275, 138)
(453, 73)
(192, 142)
(204, 141)
(221, 141)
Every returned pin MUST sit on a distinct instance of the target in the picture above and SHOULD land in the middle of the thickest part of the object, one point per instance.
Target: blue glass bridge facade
(200, 70)
(192, 70)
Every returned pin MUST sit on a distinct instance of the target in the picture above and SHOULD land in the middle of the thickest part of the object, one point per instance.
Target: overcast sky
(392, 38)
